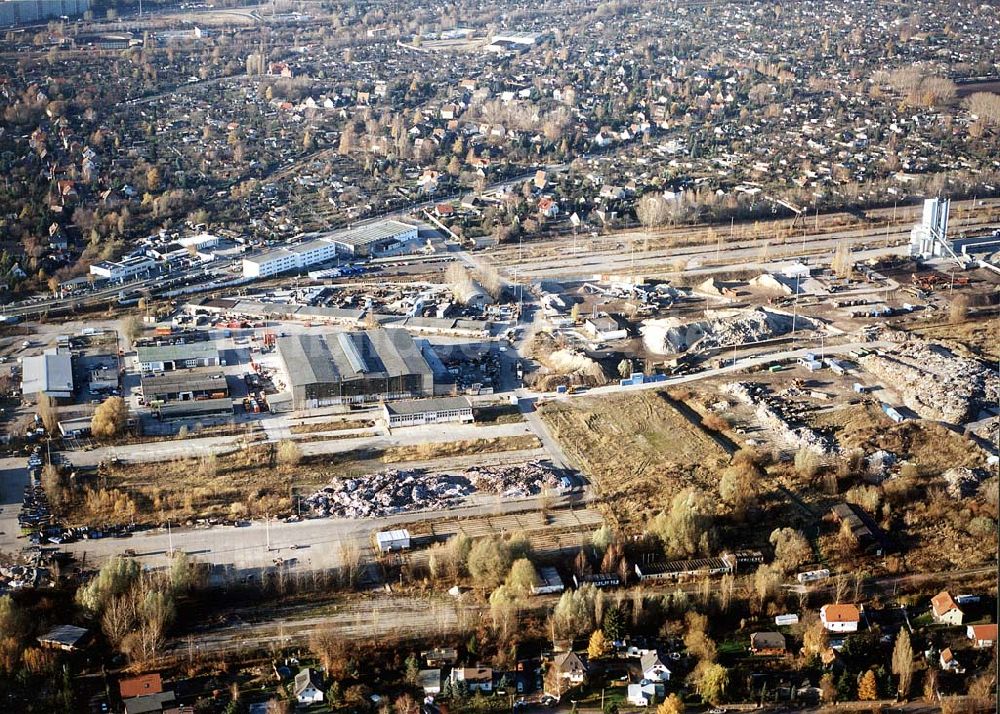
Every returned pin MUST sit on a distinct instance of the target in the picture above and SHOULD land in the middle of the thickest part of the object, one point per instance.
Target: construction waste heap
(721, 329)
(398, 491)
(934, 382)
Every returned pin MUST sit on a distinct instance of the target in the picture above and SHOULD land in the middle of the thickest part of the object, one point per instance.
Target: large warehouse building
(353, 367)
(50, 374)
(361, 241)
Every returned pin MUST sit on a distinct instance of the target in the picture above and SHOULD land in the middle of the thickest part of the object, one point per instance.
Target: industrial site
(438, 360)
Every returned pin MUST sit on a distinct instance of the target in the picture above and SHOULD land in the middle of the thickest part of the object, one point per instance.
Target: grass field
(637, 449)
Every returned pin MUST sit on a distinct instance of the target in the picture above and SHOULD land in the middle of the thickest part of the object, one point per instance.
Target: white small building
(122, 270)
(439, 410)
(605, 328)
(653, 668)
(308, 688)
(393, 541)
(642, 695)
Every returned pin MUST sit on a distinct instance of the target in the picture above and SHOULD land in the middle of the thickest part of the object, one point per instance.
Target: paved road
(321, 544)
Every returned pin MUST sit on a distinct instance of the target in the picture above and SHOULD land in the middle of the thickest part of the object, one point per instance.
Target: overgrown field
(934, 529)
(251, 482)
(638, 450)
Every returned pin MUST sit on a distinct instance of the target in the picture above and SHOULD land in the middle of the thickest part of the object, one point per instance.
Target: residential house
(642, 695)
(477, 679)
(140, 686)
(982, 636)
(949, 663)
(430, 681)
(944, 609)
(308, 687)
(440, 656)
(548, 207)
(767, 643)
(570, 667)
(840, 618)
(653, 668)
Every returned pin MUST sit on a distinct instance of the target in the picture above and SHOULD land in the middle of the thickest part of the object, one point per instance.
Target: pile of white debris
(723, 328)
(935, 382)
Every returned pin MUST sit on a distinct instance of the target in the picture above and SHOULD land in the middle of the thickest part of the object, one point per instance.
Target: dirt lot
(638, 450)
(249, 482)
(316, 427)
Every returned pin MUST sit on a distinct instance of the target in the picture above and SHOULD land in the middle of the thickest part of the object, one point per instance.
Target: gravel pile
(936, 383)
(877, 465)
(670, 335)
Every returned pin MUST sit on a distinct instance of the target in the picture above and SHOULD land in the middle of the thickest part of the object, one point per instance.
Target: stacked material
(936, 383)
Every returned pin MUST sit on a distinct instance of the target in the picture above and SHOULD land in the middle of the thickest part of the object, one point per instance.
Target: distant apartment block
(122, 270)
(357, 242)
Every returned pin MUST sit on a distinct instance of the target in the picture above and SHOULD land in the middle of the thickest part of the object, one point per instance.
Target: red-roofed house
(982, 636)
(548, 207)
(840, 617)
(944, 609)
(140, 686)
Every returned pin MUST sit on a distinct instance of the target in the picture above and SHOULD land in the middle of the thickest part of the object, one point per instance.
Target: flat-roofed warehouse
(163, 358)
(365, 240)
(353, 367)
(50, 373)
(185, 384)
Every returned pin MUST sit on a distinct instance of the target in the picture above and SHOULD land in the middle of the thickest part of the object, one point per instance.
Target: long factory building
(358, 242)
(354, 367)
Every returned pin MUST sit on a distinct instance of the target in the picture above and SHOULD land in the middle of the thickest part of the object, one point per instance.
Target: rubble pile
(962, 482)
(16, 577)
(514, 480)
(724, 329)
(388, 492)
(768, 410)
(936, 383)
(877, 465)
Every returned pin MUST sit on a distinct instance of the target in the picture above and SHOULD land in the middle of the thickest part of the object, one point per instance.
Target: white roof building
(50, 373)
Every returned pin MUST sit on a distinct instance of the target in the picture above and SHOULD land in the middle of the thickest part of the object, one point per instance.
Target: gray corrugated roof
(47, 373)
(419, 406)
(364, 235)
(312, 359)
(172, 353)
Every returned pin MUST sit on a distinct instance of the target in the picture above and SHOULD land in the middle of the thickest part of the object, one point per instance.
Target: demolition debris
(935, 383)
(398, 491)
